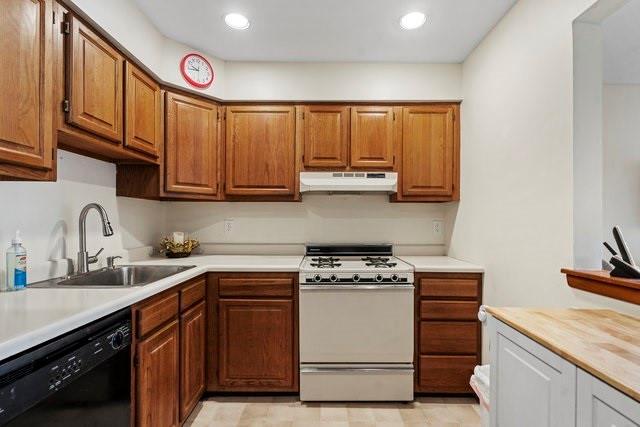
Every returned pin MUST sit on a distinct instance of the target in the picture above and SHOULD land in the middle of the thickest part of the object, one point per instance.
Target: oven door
(356, 323)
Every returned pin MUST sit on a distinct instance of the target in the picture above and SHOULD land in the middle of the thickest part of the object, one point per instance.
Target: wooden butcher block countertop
(604, 343)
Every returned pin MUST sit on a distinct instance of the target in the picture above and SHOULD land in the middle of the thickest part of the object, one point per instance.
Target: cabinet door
(94, 83)
(256, 345)
(326, 136)
(191, 159)
(530, 385)
(427, 151)
(26, 127)
(143, 112)
(600, 405)
(157, 378)
(260, 148)
(373, 135)
(192, 356)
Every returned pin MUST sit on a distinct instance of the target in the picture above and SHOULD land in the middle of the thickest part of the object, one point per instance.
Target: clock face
(196, 70)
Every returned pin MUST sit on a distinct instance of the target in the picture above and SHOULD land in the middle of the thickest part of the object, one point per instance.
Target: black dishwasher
(82, 378)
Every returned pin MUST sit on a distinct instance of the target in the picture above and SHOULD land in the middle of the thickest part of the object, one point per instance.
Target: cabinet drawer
(448, 337)
(156, 313)
(445, 374)
(255, 287)
(192, 292)
(448, 287)
(448, 310)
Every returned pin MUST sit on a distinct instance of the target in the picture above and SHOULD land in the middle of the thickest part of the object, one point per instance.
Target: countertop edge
(30, 339)
(571, 357)
(425, 267)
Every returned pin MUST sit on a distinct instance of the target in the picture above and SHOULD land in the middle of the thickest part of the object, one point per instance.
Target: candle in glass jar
(178, 237)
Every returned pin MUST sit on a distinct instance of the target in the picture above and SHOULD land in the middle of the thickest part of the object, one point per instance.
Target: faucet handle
(94, 259)
(111, 261)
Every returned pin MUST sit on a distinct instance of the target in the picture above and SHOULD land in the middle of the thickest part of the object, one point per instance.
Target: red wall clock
(196, 70)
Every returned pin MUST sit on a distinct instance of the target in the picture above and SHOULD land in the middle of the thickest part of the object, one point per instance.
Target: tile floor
(288, 411)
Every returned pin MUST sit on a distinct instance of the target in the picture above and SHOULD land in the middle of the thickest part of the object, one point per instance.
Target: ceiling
(621, 35)
(329, 30)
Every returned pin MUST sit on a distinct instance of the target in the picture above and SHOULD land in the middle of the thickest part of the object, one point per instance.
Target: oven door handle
(356, 287)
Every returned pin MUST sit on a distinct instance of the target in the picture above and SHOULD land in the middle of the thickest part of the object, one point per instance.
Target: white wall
(587, 144)
(318, 219)
(342, 81)
(47, 216)
(515, 214)
(621, 177)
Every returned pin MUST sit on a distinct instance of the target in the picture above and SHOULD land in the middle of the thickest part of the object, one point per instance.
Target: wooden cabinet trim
(157, 382)
(192, 356)
(246, 179)
(445, 374)
(181, 155)
(449, 287)
(427, 160)
(26, 130)
(153, 314)
(377, 149)
(322, 150)
(94, 115)
(448, 310)
(192, 292)
(256, 286)
(137, 115)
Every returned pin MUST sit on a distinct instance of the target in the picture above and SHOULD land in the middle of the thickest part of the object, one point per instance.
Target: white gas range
(356, 324)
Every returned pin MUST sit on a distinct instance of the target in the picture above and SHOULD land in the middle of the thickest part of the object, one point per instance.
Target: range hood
(348, 182)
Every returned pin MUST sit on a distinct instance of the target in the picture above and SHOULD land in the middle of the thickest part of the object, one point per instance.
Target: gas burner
(325, 262)
(378, 262)
(325, 259)
(325, 265)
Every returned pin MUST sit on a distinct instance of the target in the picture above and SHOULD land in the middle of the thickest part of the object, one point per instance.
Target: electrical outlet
(228, 226)
(438, 228)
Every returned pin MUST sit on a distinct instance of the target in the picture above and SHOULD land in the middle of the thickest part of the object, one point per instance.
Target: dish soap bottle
(16, 264)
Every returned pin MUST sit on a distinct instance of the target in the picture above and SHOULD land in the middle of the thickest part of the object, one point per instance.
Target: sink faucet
(83, 257)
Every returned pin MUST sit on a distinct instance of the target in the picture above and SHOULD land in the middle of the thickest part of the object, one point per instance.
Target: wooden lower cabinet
(192, 352)
(447, 331)
(253, 344)
(157, 378)
(169, 358)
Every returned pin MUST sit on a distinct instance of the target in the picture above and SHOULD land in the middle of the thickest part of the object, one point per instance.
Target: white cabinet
(600, 405)
(530, 385)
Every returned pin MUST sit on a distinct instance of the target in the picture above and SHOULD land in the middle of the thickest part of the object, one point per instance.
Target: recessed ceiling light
(236, 21)
(413, 20)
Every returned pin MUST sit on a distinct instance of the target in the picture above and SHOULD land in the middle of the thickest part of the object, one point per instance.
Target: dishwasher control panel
(35, 379)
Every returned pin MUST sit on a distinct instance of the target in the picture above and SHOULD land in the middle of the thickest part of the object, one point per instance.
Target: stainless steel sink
(118, 277)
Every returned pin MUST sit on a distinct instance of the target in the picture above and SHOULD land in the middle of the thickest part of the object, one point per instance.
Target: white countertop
(440, 264)
(33, 316)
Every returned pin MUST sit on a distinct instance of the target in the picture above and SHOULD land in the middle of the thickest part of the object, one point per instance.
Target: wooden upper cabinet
(260, 147)
(191, 157)
(94, 83)
(143, 112)
(373, 135)
(26, 127)
(326, 136)
(157, 378)
(429, 159)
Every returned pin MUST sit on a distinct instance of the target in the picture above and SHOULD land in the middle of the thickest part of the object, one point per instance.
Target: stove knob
(355, 278)
(394, 278)
(333, 278)
(378, 277)
(317, 278)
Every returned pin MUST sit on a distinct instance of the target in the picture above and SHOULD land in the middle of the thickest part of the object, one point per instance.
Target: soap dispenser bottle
(16, 265)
